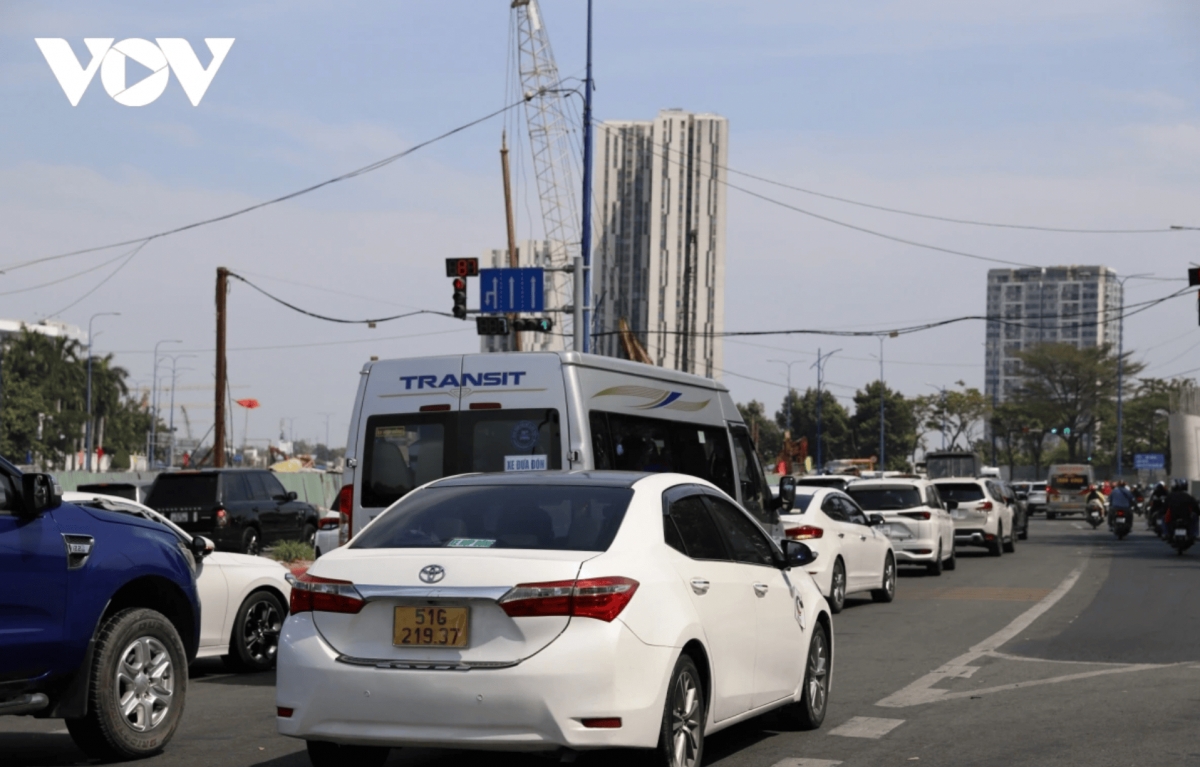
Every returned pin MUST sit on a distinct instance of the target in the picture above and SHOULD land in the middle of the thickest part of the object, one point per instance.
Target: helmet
(1180, 484)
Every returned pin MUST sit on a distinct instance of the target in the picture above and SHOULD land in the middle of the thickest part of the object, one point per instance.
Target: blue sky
(1061, 112)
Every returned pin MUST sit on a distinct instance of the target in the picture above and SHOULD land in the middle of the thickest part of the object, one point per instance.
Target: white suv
(981, 517)
(917, 521)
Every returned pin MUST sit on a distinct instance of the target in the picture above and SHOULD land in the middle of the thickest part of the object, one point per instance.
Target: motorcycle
(1180, 535)
(1095, 513)
(1122, 523)
(1154, 515)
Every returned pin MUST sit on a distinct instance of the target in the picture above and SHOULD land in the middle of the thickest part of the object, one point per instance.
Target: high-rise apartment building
(1077, 305)
(659, 260)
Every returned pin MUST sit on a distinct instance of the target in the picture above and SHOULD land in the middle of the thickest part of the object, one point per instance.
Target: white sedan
(243, 598)
(555, 612)
(918, 523)
(853, 556)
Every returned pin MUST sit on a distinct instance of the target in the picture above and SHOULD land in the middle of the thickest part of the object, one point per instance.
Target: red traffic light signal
(460, 298)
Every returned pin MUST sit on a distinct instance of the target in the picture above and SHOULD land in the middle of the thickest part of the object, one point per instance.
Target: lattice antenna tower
(551, 137)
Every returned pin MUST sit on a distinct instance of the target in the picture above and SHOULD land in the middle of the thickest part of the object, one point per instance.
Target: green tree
(770, 436)
(1144, 427)
(1068, 389)
(837, 437)
(960, 412)
(899, 425)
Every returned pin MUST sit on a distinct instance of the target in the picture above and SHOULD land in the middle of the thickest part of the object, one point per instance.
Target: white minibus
(420, 419)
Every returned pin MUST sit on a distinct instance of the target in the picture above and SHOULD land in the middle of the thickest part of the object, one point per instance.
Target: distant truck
(953, 463)
(1066, 490)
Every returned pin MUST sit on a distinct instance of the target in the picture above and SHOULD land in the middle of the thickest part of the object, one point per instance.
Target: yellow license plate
(430, 626)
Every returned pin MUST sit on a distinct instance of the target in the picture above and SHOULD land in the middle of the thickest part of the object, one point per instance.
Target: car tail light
(329, 523)
(599, 598)
(311, 593)
(916, 514)
(603, 723)
(985, 506)
(344, 505)
(803, 533)
(222, 518)
(286, 713)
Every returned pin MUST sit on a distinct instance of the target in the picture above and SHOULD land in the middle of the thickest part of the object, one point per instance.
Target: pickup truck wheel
(310, 535)
(251, 543)
(137, 690)
(324, 754)
(256, 630)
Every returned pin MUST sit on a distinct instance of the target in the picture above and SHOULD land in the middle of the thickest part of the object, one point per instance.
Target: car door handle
(700, 586)
(841, 535)
(761, 589)
(862, 537)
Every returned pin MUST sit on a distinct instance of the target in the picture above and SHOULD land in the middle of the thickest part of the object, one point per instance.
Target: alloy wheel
(260, 632)
(145, 683)
(685, 721)
(818, 673)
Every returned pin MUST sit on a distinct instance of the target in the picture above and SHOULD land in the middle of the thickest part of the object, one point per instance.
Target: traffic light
(462, 267)
(534, 324)
(1194, 277)
(460, 297)
(1066, 431)
(491, 326)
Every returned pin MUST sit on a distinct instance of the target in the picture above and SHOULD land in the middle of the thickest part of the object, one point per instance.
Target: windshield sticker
(524, 435)
(471, 543)
(526, 463)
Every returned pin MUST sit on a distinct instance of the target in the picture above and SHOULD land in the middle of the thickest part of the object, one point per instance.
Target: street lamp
(154, 406)
(1121, 371)
(820, 366)
(790, 399)
(171, 425)
(87, 438)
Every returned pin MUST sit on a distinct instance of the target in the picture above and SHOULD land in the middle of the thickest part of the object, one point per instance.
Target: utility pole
(513, 256)
(820, 366)
(586, 244)
(87, 437)
(882, 458)
(1120, 374)
(219, 409)
(791, 404)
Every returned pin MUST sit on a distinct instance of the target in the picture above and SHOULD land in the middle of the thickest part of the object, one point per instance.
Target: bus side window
(601, 440)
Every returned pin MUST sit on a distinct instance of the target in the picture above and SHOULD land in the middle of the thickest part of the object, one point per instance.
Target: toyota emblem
(432, 573)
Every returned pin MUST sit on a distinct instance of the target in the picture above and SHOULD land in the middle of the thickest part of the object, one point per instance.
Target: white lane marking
(1055, 680)
(922, 691)
(806, 763)
(1078, 526)
(866, 727)
(1006, 656)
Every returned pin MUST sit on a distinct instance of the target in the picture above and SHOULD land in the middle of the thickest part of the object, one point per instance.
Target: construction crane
(550, 140)
(187, 423)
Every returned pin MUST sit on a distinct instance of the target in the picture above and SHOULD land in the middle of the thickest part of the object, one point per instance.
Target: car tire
(124, 646)
(254, 644)
(952, 562)
(837, 588)
(325, 754)
(310, 536)
(935, 567)
(681, 737)
(809, 712)
(887, 592)
(1011, 546)
(1051, 515)
(996, 547)
(251, 542)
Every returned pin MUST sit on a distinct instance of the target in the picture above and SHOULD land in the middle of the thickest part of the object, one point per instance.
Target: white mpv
(552, 611)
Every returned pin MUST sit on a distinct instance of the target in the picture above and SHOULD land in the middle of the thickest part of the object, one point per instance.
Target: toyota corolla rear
(911, 525)
(801, 525)
(976, 517)
(474, 616)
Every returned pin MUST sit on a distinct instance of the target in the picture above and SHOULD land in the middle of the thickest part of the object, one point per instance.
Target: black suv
(239, 509)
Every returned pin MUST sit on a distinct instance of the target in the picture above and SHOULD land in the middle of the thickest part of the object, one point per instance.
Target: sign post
(506, 291)
(1149, 461)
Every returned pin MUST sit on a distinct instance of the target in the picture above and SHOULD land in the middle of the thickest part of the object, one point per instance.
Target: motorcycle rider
(1158, 499)
(1094, 495)
(1181, 503)
(1120, 498)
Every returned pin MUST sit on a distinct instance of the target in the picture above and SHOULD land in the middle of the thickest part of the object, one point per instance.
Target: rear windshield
(964, 492)
(838, 482)
(171, 490)
(119, 489)
(544, 517)
(801, 503)
(404, 451)
(886, 498)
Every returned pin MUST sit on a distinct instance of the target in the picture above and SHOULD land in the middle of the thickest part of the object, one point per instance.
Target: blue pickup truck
(99, 618)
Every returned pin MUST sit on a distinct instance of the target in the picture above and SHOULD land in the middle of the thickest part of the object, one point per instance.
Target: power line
(306, 312)
(291, 195)
(300, 346)
(100, 265)
(933, 217)
(100, 284)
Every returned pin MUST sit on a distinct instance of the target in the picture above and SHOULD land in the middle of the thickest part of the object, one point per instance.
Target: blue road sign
(512, 290)
(1149, 461)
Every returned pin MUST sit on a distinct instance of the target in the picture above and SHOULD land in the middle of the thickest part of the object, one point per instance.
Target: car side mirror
(291, 495)
(40, 492)
(875, 519)
(787, 494)
(951, 505)
(201, 547)
(797, 554)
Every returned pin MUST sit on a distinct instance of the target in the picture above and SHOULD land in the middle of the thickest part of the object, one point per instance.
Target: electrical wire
(101, 265)
(299, 346)
(100, 284)
(291, 195)
(930, 216)
(339, 320)
(325, 289)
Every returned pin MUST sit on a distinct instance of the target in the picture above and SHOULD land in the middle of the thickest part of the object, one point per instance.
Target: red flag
(249, 404)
